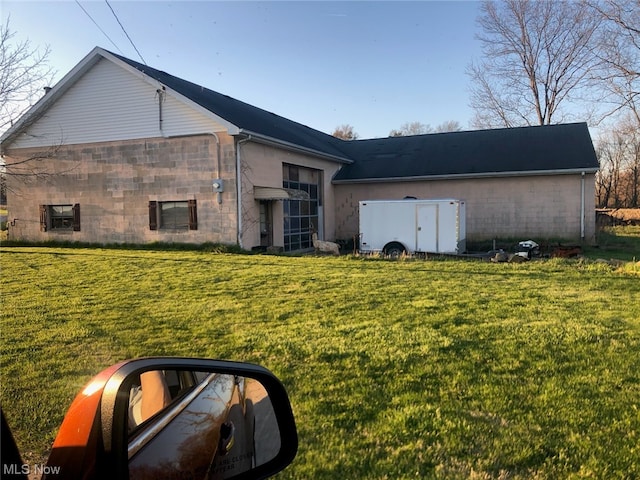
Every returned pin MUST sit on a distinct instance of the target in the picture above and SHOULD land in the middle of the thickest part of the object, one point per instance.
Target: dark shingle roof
(499, 151)
(245, 116)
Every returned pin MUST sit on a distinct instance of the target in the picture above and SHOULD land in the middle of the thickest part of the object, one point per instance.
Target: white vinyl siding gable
(109, 103)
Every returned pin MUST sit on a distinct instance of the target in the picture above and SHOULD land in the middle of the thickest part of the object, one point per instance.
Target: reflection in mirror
(186, 424)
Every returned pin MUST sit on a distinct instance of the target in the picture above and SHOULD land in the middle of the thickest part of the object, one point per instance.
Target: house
(124, 153)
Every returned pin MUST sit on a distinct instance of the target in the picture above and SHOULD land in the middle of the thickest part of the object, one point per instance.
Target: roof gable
(108, 104)
(118, 90)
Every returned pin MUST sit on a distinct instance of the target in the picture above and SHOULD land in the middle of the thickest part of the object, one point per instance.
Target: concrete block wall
(262, 166)
(114, 181)
(536, 207)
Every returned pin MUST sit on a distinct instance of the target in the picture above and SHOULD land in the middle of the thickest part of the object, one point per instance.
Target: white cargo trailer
(412, 226)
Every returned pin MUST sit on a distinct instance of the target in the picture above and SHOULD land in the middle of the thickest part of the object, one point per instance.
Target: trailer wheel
(394, 249)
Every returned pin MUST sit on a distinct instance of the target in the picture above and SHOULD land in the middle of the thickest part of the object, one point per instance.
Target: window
(174, 215)
(301, 216)
(60, 218)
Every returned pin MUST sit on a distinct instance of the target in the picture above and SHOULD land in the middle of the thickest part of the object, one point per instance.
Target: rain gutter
(463, 176)
(265, 139)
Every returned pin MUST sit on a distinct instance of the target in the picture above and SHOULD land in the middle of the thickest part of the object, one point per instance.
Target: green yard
(396, 369)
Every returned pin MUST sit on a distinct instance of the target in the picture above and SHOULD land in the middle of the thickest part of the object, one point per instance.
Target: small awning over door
(273, 193)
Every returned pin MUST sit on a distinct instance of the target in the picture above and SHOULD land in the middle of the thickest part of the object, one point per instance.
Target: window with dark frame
(60, 218)
(301, 216)
(173, 215)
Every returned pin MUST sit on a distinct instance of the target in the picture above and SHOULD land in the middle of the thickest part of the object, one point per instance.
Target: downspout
(582, 206)
(161, 92)
(239, 187)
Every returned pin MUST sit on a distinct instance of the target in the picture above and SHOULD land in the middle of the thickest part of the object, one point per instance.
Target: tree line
(347, 131)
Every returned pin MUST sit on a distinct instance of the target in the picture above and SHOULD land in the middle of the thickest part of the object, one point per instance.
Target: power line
(99, 28)
(125, 32)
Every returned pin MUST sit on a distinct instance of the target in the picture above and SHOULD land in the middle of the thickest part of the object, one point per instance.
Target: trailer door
(427, 228)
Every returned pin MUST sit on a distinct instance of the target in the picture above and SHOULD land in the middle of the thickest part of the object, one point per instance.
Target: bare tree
(24, 72)
(448, 126)
(618, 75)
(610, 151)
(536, 58)
(618, 181)
(630, 175)
(619, 54)
(417, 128)
(411, 128)
(345, 132)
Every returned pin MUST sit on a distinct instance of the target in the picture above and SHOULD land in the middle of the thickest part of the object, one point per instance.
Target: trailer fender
(394, 249)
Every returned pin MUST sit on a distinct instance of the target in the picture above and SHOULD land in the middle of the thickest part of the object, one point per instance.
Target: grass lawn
(621, 242)
(395, 369)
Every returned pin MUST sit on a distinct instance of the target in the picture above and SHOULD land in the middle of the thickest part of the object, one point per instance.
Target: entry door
(266, 224)
(427, 228)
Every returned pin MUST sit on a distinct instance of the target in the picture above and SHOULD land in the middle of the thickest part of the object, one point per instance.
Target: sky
(373, 65)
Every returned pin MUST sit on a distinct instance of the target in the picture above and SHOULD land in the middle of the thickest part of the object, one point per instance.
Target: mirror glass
(192, 424)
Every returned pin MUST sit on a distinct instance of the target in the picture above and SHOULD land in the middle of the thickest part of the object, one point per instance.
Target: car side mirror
(177, 418)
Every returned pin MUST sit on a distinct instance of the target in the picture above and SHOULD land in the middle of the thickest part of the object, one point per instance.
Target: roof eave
(465, 176)
(265, 139)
